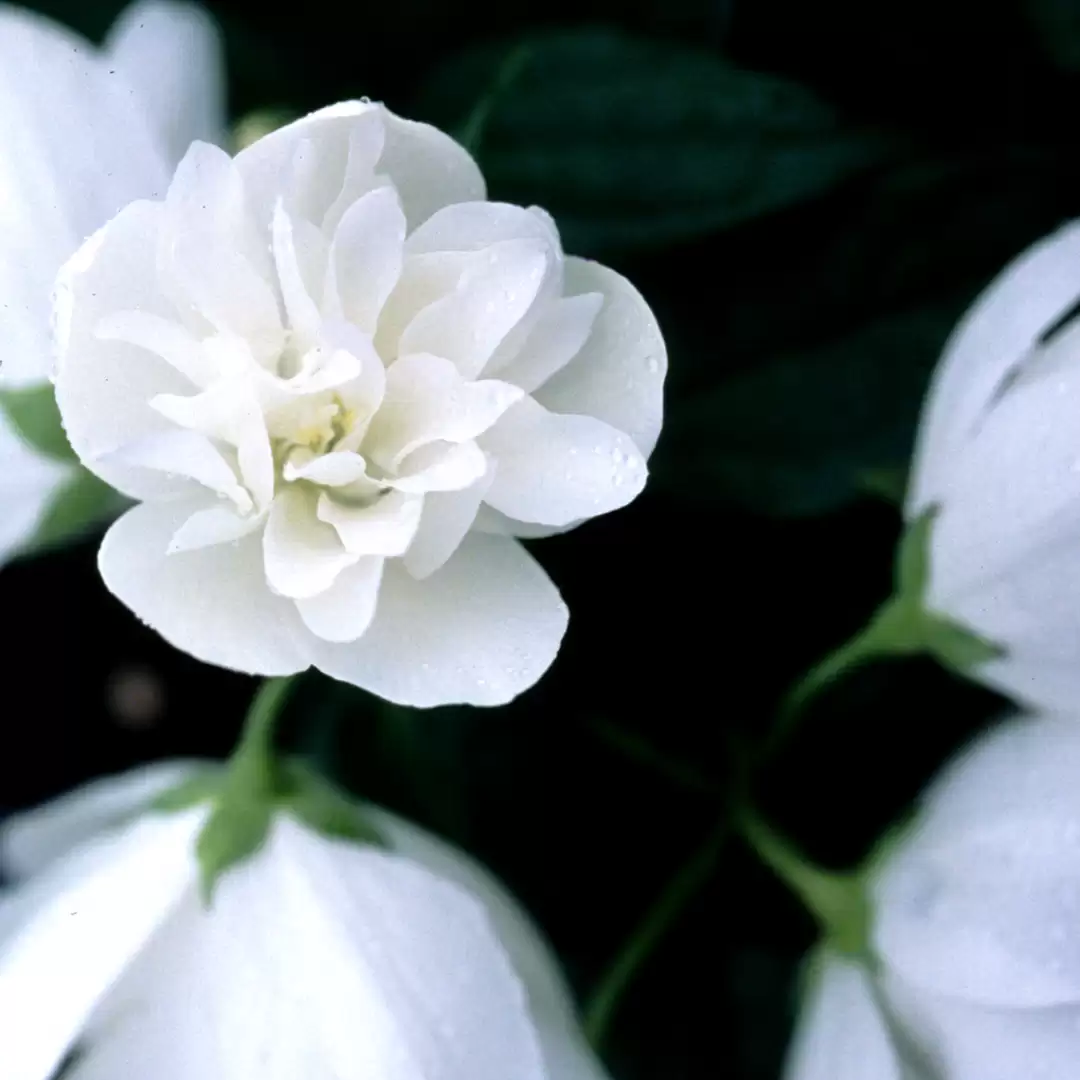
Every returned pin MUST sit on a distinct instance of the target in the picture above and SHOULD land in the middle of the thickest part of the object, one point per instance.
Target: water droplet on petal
(653, 365)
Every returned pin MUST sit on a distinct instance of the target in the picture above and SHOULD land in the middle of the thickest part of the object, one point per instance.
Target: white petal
(212, 254)
(77, 149)
(345, 610)
(440, 467)
(496, 290)
(427, 401)
(103, 388)
(554, 341)
(303, 555)
(366, 257)
(618, 375)
(188, 454)
(29, 482)
(842, 1034)
(490, 520)
(551, 1006)
(1012, 487)
(472, 226)
(216, 525)
(428, 169)
(969, 1042)
(479, 631)
(389, 971)
(334, 470)
(170, 340)
(171, 55)
(447, 518)
(984, 906)
(555, 469)
(86, 917)
(32, 840)
(1026, 298)
(383, 527)
(300, 307)
(213, 603)
(229, 410)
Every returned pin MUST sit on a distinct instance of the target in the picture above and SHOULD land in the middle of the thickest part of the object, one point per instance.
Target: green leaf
(324, 807)
(80, 505)
(912, 569)
(34, 414)
(631, 142)
(795, 435)
(236, 830)
(956, 646)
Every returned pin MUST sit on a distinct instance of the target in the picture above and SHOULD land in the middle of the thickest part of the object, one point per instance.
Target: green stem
(837, 901)
(640, 750)
(650, 931)
(472, 131)
(252, 763)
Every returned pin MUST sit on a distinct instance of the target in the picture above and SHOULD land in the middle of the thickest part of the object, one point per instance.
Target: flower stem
(472, 130)
(664, 912)
(252, 763)
(837, 901)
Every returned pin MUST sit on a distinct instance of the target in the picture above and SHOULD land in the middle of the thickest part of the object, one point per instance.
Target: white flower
(976, 937)
(319, 958)
(83, 131)
(344, 384)
(999, 451)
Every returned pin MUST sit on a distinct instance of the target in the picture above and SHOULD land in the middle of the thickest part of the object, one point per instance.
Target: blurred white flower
(83, 131)
(344, 383)
(999, 452)
(319, 957)
(975, 969)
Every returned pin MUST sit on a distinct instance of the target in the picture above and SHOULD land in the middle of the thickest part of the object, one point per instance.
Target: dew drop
(653, 365)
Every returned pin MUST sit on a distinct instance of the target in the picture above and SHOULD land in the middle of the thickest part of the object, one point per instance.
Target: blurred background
(809, 195)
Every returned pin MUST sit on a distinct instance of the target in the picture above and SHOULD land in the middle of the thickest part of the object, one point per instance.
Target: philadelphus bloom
(83, 131)
(318, 958)
(976, 934)
(999, 452)
(343, 383)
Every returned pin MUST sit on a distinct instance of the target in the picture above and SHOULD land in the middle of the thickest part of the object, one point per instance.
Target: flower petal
(300, 308)
(103, 388)
(345, 610)
(566, 1054)
(972, 1042)
(447, 518)
(213, 603)
(385, 526)
(87, 917)
(980, 901)
(555, 469)
(212, 255)
(77, 148)
(172, 57)
(215, 525)
(366, 257)
(388, 972)
(33, 839)
(618, 375)
(1003, 325)
(428, 169)
(842, 1034)
(496, 290)
(303, 556)
(479, 631)
(558, 336)
(336, 469)
(440, 467)
(473, 226)
(427, 401)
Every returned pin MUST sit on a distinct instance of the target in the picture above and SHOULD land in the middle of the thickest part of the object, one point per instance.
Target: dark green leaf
(634, 142)
(795, 435)
(957, 647)
(201, 787)
(912, 568)
(35, 416)
(83, 503)
(235, 830)
(325, 807)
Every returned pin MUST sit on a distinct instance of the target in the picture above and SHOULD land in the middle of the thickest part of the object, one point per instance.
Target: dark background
(809, 194)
